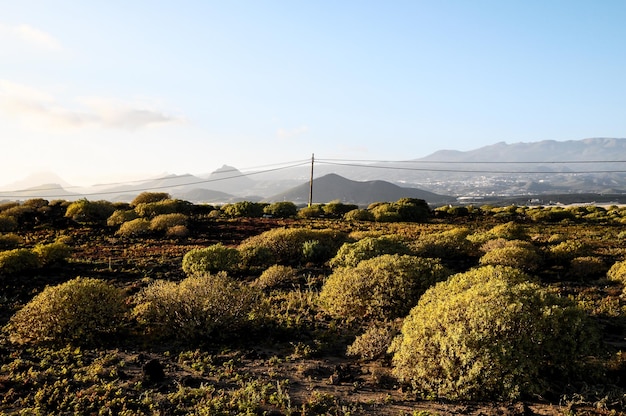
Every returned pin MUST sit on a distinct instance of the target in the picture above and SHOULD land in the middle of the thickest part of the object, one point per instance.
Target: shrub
(337, 209)
(80, 311)
(7, 223)
(314, 211)
(244, 209)
(52, 253)
(358, 215)
(121, 216)
(373, 343)
(284, 209)
(276, 276)
(385, 212)
(149, 197)
(213, 258)
(177, 231)
(198, 307)
(10, 241)
(564, 252)
(520, 257)
(617, 272)
(18, 260)
(313, 251)
(164, 222)
(384, 287)
(135, 228)
(490, 334)
(90, 212)
(587, 268)
(285, 245)
(446, 244)
(350, 254)
(510, 231)
(167, 206)
(412, 209)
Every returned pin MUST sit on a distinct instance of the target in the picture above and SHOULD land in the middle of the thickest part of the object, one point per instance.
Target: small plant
(90, 212)
(587, 268)
(445, 244)
(82, 311)
(121, 216)
(617, 272)
(213, 258)
(18, 260)
(513, 255)
(135, 228)
(383, 287)
(53, 253)
(373, 343)
(149, 197)
(284, 209)
(358, 215)
(10, 241)
(276, 276)
(164, 222)
(351, 254)
(7, 223)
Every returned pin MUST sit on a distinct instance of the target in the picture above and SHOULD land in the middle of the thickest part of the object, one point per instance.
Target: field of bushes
(163, 307)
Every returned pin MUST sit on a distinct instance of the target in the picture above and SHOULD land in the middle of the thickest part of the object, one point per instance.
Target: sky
(107, 91)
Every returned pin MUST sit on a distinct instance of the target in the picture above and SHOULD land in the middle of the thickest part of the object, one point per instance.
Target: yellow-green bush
(285, 245)
(167, 206)
(351, 254)
(10, 241)
(52, 253)
(214, 258)
(587, 268)
(120, 216)
(149, 197)
(164, 222)
(196, 308)
(82, 311)
(510, 231)
(373, 343)
(513, 255)
(617, 272)
(7, 223)
(90, 212)
(358, 215)
(488, 334)
(18, 260)
(276, 276)
(135, 228)
(564, 252)
(445, 244)
(384, 287)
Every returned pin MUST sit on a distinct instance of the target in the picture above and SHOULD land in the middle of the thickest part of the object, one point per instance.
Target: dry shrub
(351, 254)
(164, 222)
(196, 308)
(214, 258)
(490, 334)
(276, 276)
(18, 260)
(135, 228)
(10, 241)
(587, 268)
(373, 343)
(52, 253)
(7, 223)
(446, 244)
(617, 272)
(82, 311)
(384, 287)
(285, 245)
(522, 257)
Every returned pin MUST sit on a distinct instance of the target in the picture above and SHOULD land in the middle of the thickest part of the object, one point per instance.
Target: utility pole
(311, 180)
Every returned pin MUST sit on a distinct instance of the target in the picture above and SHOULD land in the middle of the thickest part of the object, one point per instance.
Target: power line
(469, 162)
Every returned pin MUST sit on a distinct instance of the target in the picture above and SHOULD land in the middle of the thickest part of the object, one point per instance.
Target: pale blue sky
(100, 91)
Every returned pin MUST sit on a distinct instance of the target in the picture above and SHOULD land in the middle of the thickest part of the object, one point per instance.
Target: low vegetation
(254, 308)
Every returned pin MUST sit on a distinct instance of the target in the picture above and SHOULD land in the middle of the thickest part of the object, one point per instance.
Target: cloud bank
(29, 105)
(30, 35)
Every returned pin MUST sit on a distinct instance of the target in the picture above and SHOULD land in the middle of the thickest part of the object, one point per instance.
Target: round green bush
(383, 287)
(164, 222)
(149, 197)
(81, 311)
(520, 257)
(52, 253)
(617, 272)
(7, 223)
(510, 231)
(197, 308)
(213, 258)
(90, 212)
(373, 343)
(286, 245)
(358, 215)
(135, 228)
(121, 216)
(285, 209)
(18, 260)
(448, 244)
(351, 254)
(276, 276)
(489, 334)
(10, 241)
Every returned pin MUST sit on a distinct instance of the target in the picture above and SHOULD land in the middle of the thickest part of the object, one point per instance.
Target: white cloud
(292, 133)
(30, 105)
(30, 35)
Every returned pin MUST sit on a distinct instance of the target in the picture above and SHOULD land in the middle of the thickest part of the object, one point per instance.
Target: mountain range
(596, 166)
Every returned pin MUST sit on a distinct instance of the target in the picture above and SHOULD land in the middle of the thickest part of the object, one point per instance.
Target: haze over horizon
(106, 92)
